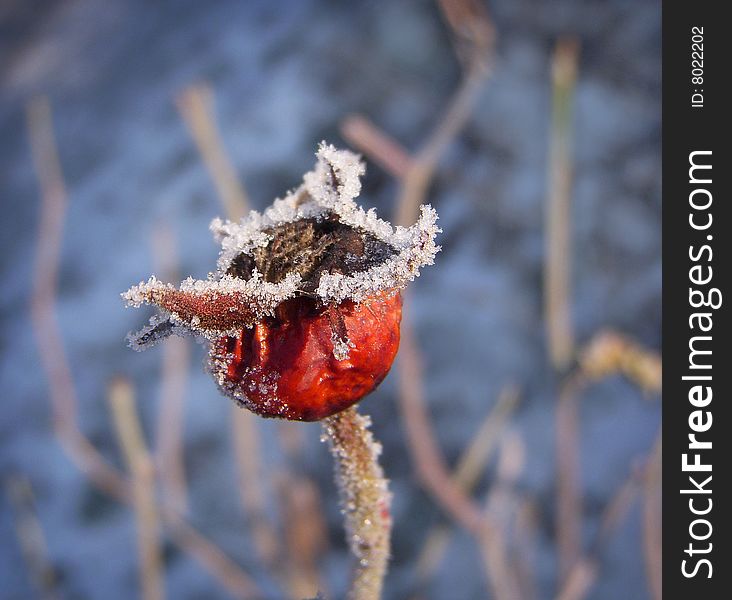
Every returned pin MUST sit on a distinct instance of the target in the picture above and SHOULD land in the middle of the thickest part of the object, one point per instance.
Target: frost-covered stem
(365, 498)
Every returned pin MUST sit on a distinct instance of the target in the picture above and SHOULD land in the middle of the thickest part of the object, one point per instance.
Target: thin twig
(249, 474)
(56, 366)
(569, 501)
(303, 520)
(433, 472)
(363, 135)
(415, 183)
(365, 499)
(173, 386)
(499, 502)
(557, 274)
(62, 392)
(305, 533)
(195, 106)
(210, 556)
(475, 34)
(140, 465)
(30, 536)
(471, 464)
(526, 536)
(583, 573)
(428, 459)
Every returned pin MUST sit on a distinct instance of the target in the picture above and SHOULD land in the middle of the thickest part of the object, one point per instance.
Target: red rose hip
(303, 312)
(285, 366)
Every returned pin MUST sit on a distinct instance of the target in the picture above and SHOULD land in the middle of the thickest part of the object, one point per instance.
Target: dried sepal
(303, 311)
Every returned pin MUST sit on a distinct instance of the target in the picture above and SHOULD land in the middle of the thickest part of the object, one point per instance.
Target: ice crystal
(239, 294)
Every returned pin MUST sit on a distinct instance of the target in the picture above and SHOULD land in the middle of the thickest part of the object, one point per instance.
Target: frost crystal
(316, 242)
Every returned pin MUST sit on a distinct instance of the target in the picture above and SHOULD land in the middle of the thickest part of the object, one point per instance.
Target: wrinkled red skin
(295, 350)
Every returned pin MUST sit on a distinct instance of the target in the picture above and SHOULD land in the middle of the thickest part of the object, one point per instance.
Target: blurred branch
(211, 557)
(527, 528)
(55, 362)
(303, 520)
(45, 277)
(416, 181)
(140, 466)
(557, 278)
(248, 462)
(365, 498)
(569, 501)
(583, 573)
(433, 473)
(195, 106)
(306, 534)
(363, 135)
(176, 360)
(499, 503)
(607, 353)
(30, 536)
(472, 29)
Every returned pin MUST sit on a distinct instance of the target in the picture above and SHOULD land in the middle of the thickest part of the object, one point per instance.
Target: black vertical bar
(696, 102)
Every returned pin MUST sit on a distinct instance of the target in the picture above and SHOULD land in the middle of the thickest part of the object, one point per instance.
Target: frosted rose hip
(287, 367)
(303, 312)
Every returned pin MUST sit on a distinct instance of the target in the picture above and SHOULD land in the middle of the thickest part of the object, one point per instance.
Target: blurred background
(527, 392)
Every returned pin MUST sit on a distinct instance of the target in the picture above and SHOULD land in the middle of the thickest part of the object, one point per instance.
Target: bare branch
(195, 106)
(557, 268)
(140, 466)
(62, 392)
(363, 135)
(569, 500)
(30, 536)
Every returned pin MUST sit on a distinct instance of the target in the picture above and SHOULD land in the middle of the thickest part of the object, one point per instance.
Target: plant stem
(365, 498)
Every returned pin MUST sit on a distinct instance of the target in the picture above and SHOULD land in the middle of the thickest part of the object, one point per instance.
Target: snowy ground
(285, 75)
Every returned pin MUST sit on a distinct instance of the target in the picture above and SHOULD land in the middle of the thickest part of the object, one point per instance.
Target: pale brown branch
(569, 500)
(55, 362)
(472, 28)
(31, 537)
(385, 151)
(527, 527)
(195, 106)
(584, 571)
(248, 463)
(557, 268)
(499, 502)
(470, 465)
(176, 361)
(305, 532)
(435, 477)
(211, 557)
(415, 183)
(62, 392)
(365, 499)
(428, 459)
(140, 465)
(475, 34)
